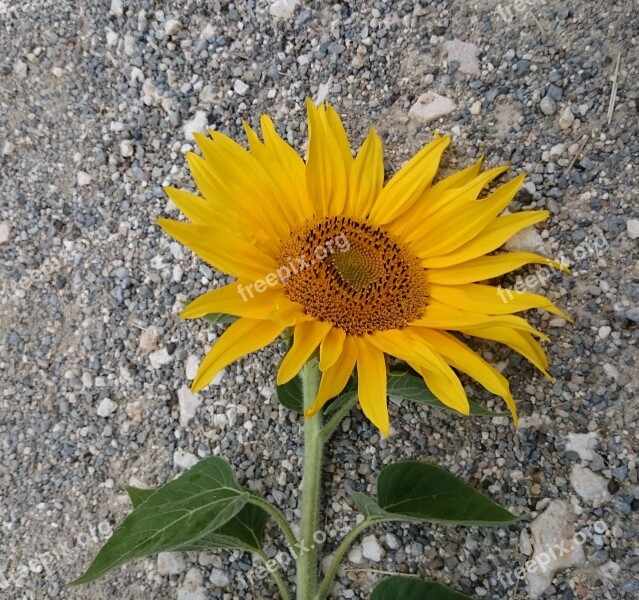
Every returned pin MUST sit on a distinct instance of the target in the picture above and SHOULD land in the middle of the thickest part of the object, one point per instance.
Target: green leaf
(245, 531)
(139, 495)
(180, 513)
(220, 318)
(291, 396)
(345, 396)
(411, 588)
(420, 492)
(410, 387)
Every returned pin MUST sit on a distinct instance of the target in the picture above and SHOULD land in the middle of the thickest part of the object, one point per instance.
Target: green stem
(277, 578)
(339, 415)
(307, 560)
(278, 517)
(345, 544)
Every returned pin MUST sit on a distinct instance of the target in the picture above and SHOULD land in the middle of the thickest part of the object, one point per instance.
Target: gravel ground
(98, 101)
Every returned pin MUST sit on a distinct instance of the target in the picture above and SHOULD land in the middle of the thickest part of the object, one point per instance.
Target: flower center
(353, 275)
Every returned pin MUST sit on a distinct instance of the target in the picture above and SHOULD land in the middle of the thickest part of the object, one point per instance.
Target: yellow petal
(492, 237)
(222, 198)
(334, 124)
(335, 378)
(245, 181)
(291, 167)
(461, 220)
(238, 298)
(197, 209)
(290, 195)
(479, 298)
(325, 171)
(519, 341)
(242, 337)
(462, 358)
(306, 338)
(214, 246)
(487, 267)
(331, 348)
(371, 384)
(408, 183)
(446, 387)
(405, 223)
(366, 177)
(441, 316)
(406, 345)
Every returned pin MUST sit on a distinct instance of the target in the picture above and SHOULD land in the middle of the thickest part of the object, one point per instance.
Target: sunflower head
(358, 269)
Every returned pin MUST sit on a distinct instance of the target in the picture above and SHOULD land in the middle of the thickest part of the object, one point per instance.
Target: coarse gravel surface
(98, 101)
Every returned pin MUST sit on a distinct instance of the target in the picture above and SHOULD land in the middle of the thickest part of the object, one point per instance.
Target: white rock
(106, 407)
(525, 545)
(184, 460)
(198, 123)
(208, 32)
(172, 26)
(567, 118)
(355, 555)
(475, 108)
(610, 569)
(111, 37)
(604, 331)
(611, 371)
(191, 588)
(83, 178)
(283, 9)
(116, 7)
(591, 487)
(207, 95)
(159, 358)
(126, 148)
(557, 150)
(5, 232)
(583, 444)
(148, 339)
(7, 148)
(130, 46)
(218, 378)
(191, 365)
(633, 228)
(554, 528)
(431, 106)
(392, 541)
(170, 563)
(239, 87)
(371, 549)
(527, 240)
(188, 404)
(20, 69)
(219, 578)
(465, 54)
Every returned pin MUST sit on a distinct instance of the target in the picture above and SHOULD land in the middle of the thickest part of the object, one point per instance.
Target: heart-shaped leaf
(220, 318)
(173, 517)
(410, 588)
(420, 492)
(245, 531)
(410, 387)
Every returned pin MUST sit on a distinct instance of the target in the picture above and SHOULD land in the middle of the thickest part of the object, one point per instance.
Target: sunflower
(357, 269)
